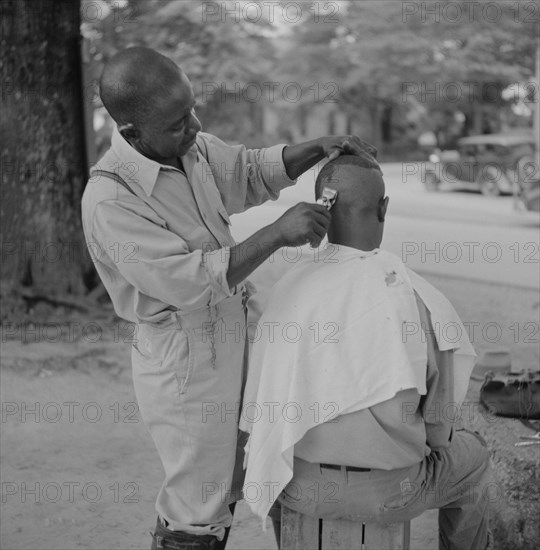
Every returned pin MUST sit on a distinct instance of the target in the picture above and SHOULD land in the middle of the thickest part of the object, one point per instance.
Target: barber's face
(174, 126)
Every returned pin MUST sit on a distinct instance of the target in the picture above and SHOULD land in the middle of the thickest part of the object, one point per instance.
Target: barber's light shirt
(346, 335)
(171, 250)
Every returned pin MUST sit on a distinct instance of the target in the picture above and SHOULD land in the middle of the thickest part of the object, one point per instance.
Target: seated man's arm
(438, 410)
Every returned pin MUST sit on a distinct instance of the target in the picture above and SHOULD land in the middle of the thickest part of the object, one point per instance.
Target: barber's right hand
(303, 223)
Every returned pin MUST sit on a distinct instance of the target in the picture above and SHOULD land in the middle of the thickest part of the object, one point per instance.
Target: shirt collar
(135, 167)
(342, 250)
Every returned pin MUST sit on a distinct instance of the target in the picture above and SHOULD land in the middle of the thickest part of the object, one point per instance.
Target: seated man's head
(359, 211)
(152, 101)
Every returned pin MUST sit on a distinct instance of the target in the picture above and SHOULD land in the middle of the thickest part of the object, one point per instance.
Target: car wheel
(431, 182)
(489, 182)
(526, 170)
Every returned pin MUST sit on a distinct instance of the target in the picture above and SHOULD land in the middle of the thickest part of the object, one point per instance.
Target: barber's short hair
(134, 81)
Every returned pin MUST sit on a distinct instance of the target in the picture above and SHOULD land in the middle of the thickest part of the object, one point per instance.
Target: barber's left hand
(334, 146)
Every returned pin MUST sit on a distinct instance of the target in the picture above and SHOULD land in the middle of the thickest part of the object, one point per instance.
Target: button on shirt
(167, 246)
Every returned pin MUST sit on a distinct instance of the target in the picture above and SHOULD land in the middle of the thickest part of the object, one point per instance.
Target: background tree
(399, 69)
(43, 163)
(222, 47)
(369, 49)
(442, 64)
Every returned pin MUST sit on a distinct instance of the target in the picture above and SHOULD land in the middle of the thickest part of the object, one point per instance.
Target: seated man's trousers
(455, 479)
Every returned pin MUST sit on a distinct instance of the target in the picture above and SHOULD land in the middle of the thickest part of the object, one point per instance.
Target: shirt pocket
(164, 352)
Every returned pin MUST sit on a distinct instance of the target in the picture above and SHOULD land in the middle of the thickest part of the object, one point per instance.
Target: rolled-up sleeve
(156, 261)
(245, 177)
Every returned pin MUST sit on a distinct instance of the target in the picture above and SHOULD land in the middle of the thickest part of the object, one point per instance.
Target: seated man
(352, 369)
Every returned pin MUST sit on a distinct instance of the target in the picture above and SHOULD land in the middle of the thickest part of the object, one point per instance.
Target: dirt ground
(79, 469)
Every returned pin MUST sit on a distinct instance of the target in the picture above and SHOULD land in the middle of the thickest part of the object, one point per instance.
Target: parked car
(488, 163)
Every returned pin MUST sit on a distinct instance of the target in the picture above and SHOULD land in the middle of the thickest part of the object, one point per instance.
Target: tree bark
(43, 162)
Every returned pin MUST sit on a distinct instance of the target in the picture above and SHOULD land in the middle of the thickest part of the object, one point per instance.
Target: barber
(156, 218)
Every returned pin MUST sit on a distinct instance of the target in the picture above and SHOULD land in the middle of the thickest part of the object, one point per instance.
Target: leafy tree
(393, 57)
(220, 50)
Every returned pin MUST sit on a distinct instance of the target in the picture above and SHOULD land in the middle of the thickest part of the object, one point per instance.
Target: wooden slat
(407, 535)
(392, 536)
(341, 535)
(298, 532)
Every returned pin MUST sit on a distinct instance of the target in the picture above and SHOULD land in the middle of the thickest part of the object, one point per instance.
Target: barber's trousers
(187, 375)
(455, 479)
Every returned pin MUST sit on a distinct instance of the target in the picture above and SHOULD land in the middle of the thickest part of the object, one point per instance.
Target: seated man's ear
(381, 209)
(128, 132)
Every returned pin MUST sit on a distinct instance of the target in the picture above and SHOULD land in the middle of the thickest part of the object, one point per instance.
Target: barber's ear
(128, 132)
(381, 210)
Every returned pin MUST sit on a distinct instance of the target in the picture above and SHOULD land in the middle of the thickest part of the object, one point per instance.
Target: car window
(482, 149)
(467, 150)
(500, 150)
(523, 148)
(492, 150)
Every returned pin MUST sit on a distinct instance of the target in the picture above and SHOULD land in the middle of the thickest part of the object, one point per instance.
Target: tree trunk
(478, 119)
(386, 124)
(43, 160)
(376, 127)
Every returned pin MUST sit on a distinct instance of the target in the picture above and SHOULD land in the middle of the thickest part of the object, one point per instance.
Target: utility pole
(537, 107)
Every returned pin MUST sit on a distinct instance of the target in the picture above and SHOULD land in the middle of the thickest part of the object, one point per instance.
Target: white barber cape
(340, 332)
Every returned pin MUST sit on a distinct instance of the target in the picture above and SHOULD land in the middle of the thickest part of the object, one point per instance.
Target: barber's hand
(302, 224)
(333, 146)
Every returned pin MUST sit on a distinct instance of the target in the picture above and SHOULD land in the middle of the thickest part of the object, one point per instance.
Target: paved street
(455, 233)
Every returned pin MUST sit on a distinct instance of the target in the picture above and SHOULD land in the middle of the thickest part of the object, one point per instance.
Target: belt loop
(158, 539)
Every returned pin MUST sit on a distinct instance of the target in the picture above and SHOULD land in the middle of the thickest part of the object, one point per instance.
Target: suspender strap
(115, 177)
(202, 148)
